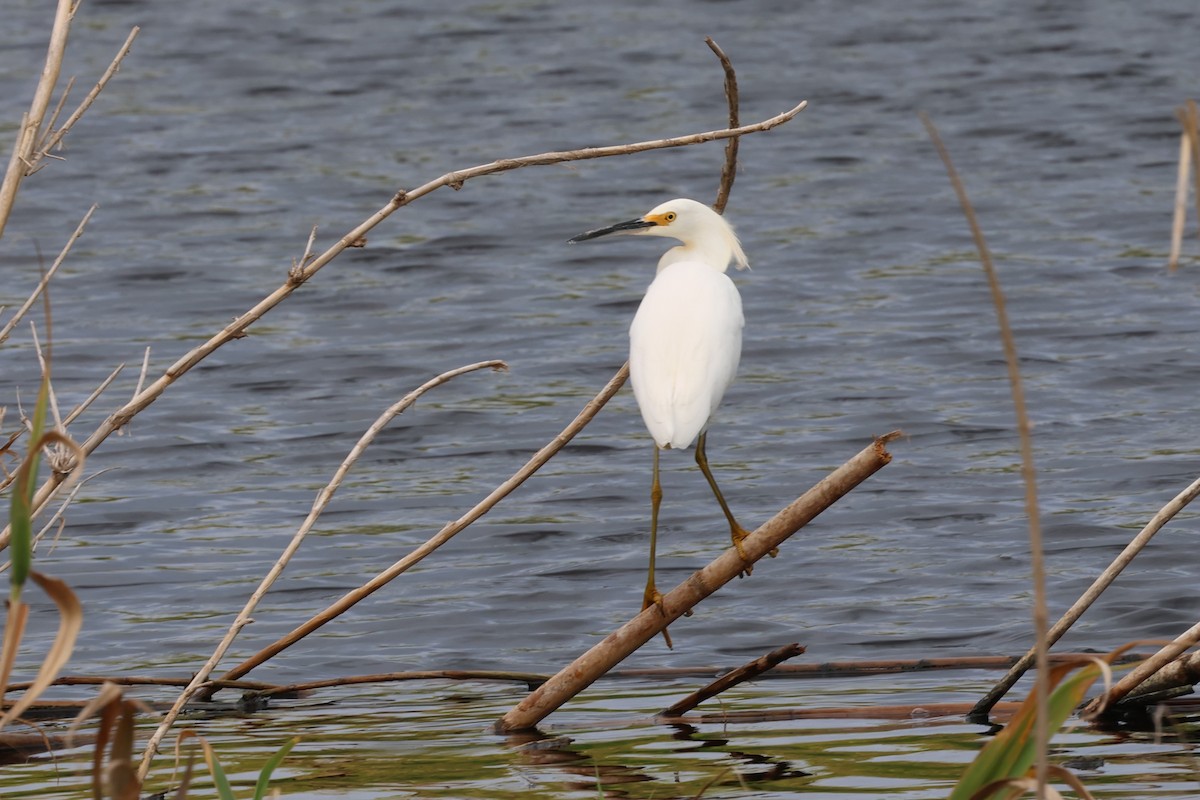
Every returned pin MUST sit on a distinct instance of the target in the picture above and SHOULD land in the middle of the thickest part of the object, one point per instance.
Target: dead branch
(530, 679)
(350, 599)
(1135, 546)
(45, 281)
(319, 504)
(822, 670)
(729, 169)
(31, 121)
(53, 137)
(904, 711)
(732, 678)
(582, 672)
(237, 328)
(1143, 672)
(1177, 677)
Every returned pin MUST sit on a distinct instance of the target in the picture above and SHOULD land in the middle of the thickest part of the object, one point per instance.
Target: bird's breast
(685, 344)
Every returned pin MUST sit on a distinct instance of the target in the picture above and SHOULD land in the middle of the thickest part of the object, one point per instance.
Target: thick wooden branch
(581, 673)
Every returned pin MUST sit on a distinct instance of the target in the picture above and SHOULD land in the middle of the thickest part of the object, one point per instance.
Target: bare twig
(79, 409)
(583, 671)
(53, 137)
(729, 170)
(237, 328)
(319, 504)
(91, 398)
(44, 366)
(1040, 616)
(732, 678)
(31, 122)
(45, 281)
(1135, 546)
(49, 126)
(348, 600)
(297, 270)
(1189, 117)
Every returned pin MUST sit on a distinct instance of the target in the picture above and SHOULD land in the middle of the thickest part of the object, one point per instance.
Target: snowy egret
(685, 341)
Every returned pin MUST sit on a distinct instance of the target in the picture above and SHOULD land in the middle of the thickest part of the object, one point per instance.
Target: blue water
(231, 130)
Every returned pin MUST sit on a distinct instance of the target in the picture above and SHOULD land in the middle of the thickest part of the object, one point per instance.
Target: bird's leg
(736, 532)
(652, 595)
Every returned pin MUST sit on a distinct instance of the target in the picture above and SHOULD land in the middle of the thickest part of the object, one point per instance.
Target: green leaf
(264, 777)
(217, 771)
(20, 518)
(1013, 751)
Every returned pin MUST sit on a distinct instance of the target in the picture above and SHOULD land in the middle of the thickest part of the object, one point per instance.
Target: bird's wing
(685, 344)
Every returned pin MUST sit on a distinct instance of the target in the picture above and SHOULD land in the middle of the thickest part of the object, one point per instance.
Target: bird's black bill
(630, 226)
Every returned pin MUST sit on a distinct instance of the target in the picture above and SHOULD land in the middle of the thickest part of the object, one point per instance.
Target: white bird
(685, 341)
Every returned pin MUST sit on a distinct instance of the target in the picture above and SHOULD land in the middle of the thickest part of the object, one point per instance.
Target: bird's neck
(711, 250)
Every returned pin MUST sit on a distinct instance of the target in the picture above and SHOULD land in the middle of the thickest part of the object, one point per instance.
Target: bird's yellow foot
(653, 597)
(737, 533)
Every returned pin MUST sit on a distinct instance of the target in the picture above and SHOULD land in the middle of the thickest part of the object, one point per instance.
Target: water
(231, 131)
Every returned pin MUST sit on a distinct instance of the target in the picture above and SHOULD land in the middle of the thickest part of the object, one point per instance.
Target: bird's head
(701, 231)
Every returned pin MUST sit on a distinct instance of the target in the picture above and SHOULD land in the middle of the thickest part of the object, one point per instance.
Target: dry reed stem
(31, 122)
(732, 678)
(1189, 117)
(53, 137)
(1179, 218)
(584, 670)
(236, 329)
(91, 398)
(45, 281)
(48, 128)
(1040, 615)
(350, 599)
(729, 168)
(1135, 546)
(321, 502)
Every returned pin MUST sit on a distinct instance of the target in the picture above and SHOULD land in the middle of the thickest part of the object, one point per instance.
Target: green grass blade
(264, 777)
(20, 518)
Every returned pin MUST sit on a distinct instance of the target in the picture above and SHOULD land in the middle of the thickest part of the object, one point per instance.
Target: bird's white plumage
(685, 343)
(684, 346)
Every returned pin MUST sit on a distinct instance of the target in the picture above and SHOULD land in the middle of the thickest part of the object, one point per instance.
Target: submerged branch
(732, 678)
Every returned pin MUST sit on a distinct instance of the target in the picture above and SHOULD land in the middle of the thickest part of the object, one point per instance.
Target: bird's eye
(669, 216)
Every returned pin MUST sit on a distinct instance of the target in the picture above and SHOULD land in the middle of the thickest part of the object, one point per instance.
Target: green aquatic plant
(1002, 768)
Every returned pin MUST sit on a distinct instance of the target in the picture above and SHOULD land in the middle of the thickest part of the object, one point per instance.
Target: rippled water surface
(233, 128)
